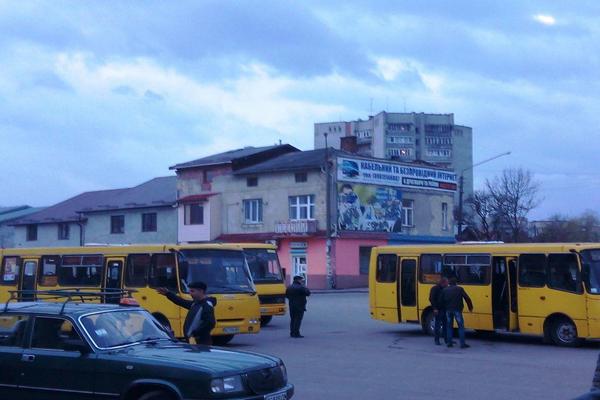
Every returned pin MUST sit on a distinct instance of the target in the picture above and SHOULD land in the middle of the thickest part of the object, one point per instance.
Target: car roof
(72, 308)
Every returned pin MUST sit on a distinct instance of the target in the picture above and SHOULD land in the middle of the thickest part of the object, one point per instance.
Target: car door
(13, 331)
(49, 370)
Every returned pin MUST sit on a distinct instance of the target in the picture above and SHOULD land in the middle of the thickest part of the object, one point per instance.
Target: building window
(117, 224)
(400, 152)
(63, 231)
(302, 207)
(252, 181)
(364, 257)
(253, 211)
(301, 177)
(439, 153)
(407, 212)
(32, 232)
(445, 216)
(194, 214)
(149, 222)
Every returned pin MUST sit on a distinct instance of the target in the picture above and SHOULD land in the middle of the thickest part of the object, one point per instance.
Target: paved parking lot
(346, 355)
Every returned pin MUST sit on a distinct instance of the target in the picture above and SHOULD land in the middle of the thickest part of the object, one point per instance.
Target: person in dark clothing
(452, 299)
(439, 311)
(594, 393)
(296, 294)
(200, 319)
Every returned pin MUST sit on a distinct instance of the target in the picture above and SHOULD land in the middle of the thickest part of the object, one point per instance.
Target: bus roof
(255, 246)
(487, 247)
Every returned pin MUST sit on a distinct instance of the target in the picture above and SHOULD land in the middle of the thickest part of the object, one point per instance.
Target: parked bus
(268, 278)
(552, 290)
(143, 268)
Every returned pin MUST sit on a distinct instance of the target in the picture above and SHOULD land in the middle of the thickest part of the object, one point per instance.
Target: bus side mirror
(284, 273)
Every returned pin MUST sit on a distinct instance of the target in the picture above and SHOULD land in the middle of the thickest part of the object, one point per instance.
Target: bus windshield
(223, 271)
(591, 258)
(264, 265)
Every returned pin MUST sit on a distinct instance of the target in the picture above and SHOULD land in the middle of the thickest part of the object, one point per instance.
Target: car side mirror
(76, 345)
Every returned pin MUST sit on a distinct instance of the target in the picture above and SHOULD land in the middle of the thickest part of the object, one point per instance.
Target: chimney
(349, 144)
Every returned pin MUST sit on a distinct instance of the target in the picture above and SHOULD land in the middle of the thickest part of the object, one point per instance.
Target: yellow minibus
(551, 290)
(143, 268)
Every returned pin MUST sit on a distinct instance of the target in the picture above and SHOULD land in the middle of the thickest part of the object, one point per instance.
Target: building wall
(205, 231)
(334, 131)
(97, 228)
(7, 236)
(315, 253)
(347, 261)
(274, 190)
(47, 236)
(191, 181)
(427, 212)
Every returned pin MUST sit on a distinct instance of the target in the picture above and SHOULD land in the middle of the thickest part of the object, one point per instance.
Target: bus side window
(532, 270)
(431, 268)
(50, 265)
(563, 273)
(10, 270)
(136, 273)
(81, 270)
(162, 271)
(386, 268)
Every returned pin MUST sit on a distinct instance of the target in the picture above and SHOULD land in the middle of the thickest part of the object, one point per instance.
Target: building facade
(7, 216)
(324, 209)
(407, 137)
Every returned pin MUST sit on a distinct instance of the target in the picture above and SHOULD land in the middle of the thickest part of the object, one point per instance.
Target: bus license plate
(277, 396)
(232, 329)
(263, 310)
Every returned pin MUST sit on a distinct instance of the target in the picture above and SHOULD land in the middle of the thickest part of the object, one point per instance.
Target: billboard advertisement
(398, 175)
(369, 208)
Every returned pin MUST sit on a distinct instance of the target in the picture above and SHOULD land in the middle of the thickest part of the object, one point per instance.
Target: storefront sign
(389, 174)
(369, 208)
(298, 245)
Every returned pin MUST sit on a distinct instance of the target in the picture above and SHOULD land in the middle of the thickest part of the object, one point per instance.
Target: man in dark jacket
(296, 294)
(452, 298)
(439, 311)
(200, 320)
(594, 393)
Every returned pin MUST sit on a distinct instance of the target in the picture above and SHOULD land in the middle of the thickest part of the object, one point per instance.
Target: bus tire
(563, 332)
(265, 319)
(221, 340)
(428, 322)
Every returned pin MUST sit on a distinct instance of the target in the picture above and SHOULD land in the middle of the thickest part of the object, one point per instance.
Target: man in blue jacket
(200, 319)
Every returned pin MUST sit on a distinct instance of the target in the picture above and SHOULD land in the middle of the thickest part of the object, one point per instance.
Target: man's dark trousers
(295, 321)
(440, 326)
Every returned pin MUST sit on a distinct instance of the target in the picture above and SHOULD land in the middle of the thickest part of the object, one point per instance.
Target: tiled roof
(229, 156)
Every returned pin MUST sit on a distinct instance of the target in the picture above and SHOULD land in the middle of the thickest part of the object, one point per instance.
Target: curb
(341, 291)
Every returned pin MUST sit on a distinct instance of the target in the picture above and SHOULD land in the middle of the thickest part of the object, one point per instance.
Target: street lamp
(461, 187)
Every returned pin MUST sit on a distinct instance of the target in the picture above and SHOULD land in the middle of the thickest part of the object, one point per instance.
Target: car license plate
(277, 396)
(232, 329)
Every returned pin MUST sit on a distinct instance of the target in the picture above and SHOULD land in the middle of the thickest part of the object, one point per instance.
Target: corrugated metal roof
(297, 161)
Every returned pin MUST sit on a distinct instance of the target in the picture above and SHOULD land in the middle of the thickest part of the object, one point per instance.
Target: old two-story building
(142, 214)
(8, 215)
(325, 209)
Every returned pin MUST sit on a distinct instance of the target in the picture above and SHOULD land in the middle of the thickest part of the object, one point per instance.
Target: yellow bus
(143, 268)
(268, 278)
(551, 290)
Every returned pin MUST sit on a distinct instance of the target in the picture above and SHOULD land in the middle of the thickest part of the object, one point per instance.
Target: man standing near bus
(296, 294)
(452, 299)
(200, 319)
(439, 311)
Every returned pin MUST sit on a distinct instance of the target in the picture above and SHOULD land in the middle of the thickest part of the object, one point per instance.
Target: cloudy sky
(106, 94)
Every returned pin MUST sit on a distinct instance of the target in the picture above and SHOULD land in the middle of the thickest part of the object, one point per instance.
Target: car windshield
(591, 259)
(121, 328)
(264, 265)
(223, 271)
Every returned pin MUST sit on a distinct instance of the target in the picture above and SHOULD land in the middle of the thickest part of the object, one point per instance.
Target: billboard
(369, 208)
(390, 174)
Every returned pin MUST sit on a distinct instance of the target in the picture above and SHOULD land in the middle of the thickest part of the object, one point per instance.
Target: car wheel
(564, 333)
(156, 395)
(264, 320)
(221, 340)
(428, 323)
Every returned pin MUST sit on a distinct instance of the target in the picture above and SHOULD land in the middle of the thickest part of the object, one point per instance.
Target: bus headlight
(254, 321)
(230, 384)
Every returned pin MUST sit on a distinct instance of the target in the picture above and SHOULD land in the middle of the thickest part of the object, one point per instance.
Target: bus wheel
(264, 320)
(428, 323)
(221, 340)
(564, 333)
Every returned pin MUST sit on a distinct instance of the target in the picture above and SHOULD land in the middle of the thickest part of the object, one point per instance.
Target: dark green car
(100, 351)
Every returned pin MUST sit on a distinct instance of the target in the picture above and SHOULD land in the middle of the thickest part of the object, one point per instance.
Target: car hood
(213, 360)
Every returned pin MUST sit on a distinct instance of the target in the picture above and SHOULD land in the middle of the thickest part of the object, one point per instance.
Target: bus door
(513, 319)
(386, 289)
(112, 278)
(28, 278)
(407, 293)
(500, 294)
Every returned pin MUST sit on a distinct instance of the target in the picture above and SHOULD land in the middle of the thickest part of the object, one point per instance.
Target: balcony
(295, 227)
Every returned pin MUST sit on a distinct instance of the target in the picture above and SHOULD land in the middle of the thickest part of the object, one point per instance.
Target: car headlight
(230, 384)
(283, 372)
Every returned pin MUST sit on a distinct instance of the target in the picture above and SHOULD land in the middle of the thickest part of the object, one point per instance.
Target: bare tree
(484, 214)
(514, 194)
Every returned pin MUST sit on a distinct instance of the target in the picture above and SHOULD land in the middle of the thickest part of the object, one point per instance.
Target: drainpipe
(328, 244)
(81, 230)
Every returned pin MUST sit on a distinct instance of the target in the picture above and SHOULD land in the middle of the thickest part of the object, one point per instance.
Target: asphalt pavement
(347, 355)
